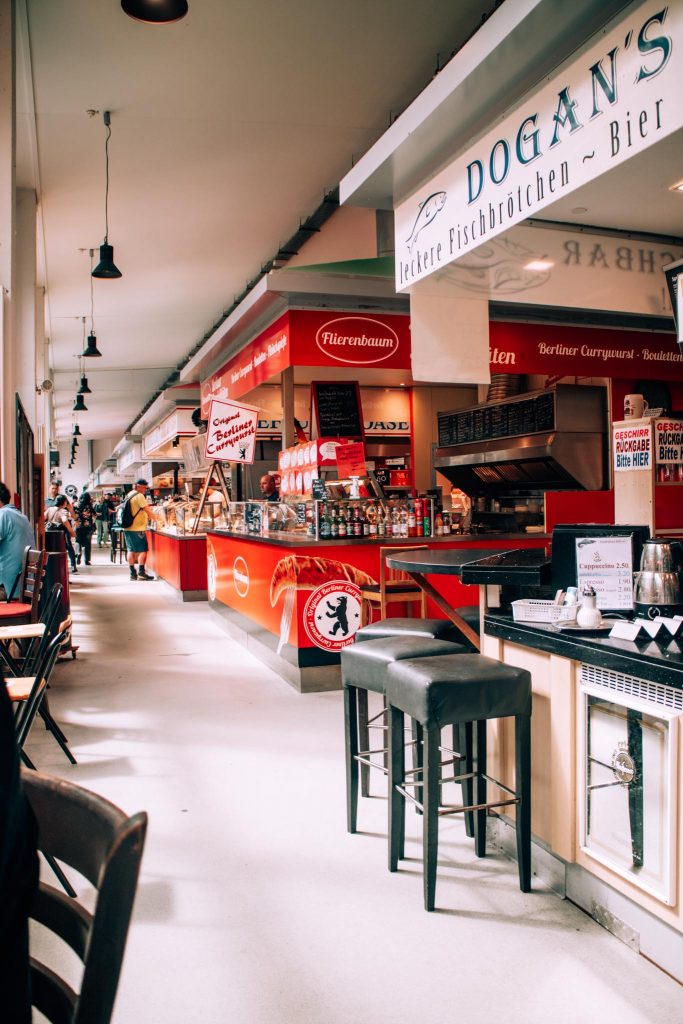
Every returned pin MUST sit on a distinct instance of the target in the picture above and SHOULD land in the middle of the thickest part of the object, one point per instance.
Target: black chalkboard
(319, 490)
(337, 409)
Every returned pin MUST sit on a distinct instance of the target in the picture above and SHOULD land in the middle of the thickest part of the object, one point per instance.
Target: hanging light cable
(106, 268)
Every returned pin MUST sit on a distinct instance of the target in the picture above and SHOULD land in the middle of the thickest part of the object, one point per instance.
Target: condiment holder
(588, 615)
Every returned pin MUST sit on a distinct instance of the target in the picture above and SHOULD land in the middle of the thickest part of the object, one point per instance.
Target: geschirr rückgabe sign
(619, 98)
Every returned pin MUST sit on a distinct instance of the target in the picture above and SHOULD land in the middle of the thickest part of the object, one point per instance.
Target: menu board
(504, 419)
(337, 408)
(606, 565)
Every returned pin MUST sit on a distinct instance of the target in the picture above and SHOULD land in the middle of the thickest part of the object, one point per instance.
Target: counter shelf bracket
(444, 606)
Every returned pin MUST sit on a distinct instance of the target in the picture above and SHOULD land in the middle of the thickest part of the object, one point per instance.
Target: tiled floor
(254, 905)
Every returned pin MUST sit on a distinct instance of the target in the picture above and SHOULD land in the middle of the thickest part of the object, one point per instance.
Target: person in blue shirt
(16, 534)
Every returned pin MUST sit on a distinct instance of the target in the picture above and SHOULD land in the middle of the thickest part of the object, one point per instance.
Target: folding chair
(98, 840)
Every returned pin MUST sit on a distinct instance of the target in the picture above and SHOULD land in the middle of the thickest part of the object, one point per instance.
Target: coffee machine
(658, 586)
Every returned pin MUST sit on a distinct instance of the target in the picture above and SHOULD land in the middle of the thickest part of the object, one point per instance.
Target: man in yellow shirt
(135, 534)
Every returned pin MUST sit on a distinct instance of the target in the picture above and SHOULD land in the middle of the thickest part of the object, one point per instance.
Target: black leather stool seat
(436, 629)
(466, 688)
(365, 665)
(463, 691)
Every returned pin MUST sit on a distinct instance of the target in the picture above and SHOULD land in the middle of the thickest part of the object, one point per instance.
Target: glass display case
(178, 515)
(338, 519)
(263, 518)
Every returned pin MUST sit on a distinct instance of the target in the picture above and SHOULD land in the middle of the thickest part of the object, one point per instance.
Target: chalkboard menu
(506, 419)
(337, 408)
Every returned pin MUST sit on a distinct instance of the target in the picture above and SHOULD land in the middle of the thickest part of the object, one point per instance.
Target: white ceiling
(227, 130)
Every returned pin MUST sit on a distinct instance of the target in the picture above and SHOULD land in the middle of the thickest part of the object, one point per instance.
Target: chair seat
(467, 688)
(27, 631)
(19, 687)
(13, 610)
(364, 665)
(436, 629)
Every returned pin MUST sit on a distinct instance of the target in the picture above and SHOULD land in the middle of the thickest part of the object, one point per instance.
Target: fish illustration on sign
(428, 210)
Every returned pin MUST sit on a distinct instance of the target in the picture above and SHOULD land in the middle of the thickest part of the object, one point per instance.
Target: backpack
(124, 516)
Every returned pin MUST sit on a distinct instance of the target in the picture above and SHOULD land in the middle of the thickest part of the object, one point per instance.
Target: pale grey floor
(254, 905)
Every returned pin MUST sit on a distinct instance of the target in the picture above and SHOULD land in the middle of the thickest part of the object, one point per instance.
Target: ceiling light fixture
(539, 265)
(84, 389)
(91, 348)
(79, 404)
(678, 187)
(76, 430)
(155, 12)
(106, 268)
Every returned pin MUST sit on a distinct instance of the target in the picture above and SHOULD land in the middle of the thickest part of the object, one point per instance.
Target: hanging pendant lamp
(79, 404)
(74, 442)
(106, 268)
(91, 348)
(155, 12)
(84, 389)
(76, 430)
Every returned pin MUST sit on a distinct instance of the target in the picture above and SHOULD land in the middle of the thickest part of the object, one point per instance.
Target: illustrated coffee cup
(634, 407)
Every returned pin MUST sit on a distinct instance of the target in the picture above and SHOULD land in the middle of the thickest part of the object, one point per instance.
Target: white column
(7, 240)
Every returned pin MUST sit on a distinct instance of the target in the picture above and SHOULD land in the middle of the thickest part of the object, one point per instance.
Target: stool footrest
(372, 764)
(448, 809)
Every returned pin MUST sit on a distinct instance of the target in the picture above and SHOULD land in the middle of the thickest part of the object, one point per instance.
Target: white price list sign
(606, 565)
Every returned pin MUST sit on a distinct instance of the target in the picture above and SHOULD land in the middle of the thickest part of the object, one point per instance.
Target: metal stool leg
(351, 750)
(463, 734)
(430, 810)
(523, 791)
(397, 803)
(363, 738)
(480, 788)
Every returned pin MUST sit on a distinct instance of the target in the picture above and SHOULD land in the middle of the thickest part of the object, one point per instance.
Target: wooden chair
(95, 838)
(394, 586)
(25, 608)
(27, 693)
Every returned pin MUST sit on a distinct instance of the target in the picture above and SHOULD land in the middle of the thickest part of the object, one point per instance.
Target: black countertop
(502, 540)
(651, 660)
(529, 566)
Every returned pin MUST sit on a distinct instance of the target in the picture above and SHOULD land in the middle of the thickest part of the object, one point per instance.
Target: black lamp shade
(106, 268)
(76, 430)
(84, 389)
(155, 12)
(79, 404)
(74, 443)
(91, 348)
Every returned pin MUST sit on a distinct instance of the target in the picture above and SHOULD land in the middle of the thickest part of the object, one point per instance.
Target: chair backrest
(388, 575)
(50, 619)
(43, 670)
(32, 579)
(98, 840)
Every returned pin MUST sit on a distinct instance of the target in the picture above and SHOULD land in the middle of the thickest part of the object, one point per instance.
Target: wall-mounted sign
(583, 352)
(337, 409)
(632, 446)
(669, 441)
(351, 460)
(231, 432)
(606, 565)
(594, 114)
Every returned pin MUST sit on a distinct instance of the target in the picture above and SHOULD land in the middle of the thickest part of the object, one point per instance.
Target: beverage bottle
(438, 525)
(324, 523)
(357, 522)
(426, 518)
(334, 525)
(412, 521)
(446, 516)
(403, 522)
(371, 519)
(341, 523)
(419, 523)
(381, 522)
(395, 523)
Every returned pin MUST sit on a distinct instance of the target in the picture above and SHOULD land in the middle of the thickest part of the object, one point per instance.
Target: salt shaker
(588, 615)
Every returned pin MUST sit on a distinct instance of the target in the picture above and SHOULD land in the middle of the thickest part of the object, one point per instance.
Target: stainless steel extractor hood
(552, 439)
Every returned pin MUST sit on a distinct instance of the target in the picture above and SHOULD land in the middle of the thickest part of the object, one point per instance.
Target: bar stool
(436, 629)
(436, 692)
(364, 668)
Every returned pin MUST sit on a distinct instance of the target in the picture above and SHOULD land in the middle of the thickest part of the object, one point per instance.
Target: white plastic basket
(535, 610)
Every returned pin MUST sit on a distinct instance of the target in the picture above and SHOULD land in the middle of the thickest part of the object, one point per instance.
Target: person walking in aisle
(84, 515)
(103, 511)
(58, 516)
(16, 534)
(135, 533)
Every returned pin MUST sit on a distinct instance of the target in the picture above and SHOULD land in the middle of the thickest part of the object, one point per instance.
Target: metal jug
(657, 588)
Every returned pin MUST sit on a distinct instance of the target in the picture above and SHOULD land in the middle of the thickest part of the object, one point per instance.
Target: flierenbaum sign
(619, 98)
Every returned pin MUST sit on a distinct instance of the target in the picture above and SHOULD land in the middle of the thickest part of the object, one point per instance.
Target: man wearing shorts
(135, 535)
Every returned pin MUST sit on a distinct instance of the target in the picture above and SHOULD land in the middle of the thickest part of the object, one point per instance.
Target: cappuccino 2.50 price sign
(606, 565)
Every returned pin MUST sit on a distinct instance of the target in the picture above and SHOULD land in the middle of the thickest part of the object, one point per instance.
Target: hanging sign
(231, 432)
(669, 441)
(606, 565)
(598, 111)
(351, 460)
(632, 446)
(337, 408)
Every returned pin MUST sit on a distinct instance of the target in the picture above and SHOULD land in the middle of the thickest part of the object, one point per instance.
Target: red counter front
(298, 605)
(181, 562)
